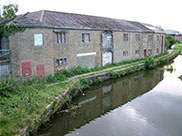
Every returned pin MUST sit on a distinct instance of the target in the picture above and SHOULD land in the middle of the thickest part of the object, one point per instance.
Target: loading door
(145, 53)
(106, 58)
(26, 68)
(40, 70)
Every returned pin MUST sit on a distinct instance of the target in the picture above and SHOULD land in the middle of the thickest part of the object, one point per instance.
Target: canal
(140, 104)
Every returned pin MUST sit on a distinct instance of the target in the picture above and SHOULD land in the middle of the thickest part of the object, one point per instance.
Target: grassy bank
(23, 103)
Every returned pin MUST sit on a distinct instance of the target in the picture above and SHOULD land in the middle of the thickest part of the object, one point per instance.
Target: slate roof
(172, 32)
(153, 28)
(141, 26)
(52, 19)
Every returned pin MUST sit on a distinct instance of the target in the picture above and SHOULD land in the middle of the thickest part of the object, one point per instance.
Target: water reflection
(103, 99)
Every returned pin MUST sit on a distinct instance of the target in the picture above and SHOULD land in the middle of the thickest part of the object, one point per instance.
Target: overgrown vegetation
(169, 41)
(149, 62)
(178, 47)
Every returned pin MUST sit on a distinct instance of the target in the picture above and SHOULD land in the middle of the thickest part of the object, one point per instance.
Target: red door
(26, 68)
(40, 70)
(145, 53)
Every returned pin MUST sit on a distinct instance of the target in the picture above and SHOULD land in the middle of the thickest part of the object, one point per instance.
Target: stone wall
(76, 52)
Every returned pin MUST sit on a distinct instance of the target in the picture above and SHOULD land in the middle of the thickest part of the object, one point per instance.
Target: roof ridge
(42, 16)
(80, 14)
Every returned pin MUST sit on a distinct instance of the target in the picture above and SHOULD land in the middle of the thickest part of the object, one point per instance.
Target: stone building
(54, 41)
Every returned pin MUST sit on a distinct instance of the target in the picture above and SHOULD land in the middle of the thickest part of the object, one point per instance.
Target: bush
(149, 62)
(171, 41)
(8, 86)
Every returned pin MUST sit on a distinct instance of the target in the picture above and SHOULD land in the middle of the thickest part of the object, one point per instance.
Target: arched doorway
(107, 58)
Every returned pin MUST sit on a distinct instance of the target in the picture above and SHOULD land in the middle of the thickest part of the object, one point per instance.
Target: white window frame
(61, 61)
(86, 37)
(38, 39)
(60, 37)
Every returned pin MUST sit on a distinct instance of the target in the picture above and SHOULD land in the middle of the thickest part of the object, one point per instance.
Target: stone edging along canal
(84, 82)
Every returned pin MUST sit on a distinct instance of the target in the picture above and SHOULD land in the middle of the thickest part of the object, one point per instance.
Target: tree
(9, 11)
(171, 41)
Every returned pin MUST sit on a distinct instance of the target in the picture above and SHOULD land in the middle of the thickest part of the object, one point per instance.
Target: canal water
(140, 104)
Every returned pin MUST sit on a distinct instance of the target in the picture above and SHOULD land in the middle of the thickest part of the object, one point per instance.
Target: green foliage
(6, 31)
(98, 80)
(170, 68)
(9, 11)
(178, 47)
(85, 83)
(171, 41)
(74, 90)
(149, 62)
(7, 87)
(114, 75)
(167, 44)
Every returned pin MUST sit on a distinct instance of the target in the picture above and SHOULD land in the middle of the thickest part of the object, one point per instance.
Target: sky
(164, 13)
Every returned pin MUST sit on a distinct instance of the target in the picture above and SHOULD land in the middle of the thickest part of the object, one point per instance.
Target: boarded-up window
(40, 70)
(125, 37)
(137, 53)
(157, 38)
(137, 37)
(157, 50)
(150, 37)
(86, 37)
(150, 51)
(107, 40)
(107, 58)
(60, 37)
(26, 68)
(38, 39)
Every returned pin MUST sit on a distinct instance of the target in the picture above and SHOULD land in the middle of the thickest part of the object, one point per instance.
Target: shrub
(85, 83)
(8, 86)
(170, 41)
(149, 62)
(114, 75)
(60, 77)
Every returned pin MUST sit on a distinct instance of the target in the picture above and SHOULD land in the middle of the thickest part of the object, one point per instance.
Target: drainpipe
(131, 45)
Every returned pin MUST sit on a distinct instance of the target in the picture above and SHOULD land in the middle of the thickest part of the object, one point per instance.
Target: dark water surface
(141, 104)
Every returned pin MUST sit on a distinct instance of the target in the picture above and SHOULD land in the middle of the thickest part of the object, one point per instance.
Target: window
(150, 51)
(107, 39)
(125, 37)
(157, 38)
(150, 37)
(38, 39)
(157, 50)
(61, 61)
(61, 37)
(86, 37)
(125, 53)
(137, 53)
(137, 37)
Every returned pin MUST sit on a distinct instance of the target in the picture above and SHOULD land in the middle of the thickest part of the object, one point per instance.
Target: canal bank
(55, 95)
(145, 103)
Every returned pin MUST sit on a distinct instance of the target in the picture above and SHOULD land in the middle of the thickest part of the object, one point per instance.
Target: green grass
(178, 47)
(23, 107)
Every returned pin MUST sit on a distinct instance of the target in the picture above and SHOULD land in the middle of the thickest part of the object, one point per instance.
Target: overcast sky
(165, 13)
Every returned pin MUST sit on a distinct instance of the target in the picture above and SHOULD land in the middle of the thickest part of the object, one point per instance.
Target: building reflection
(103, 98)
